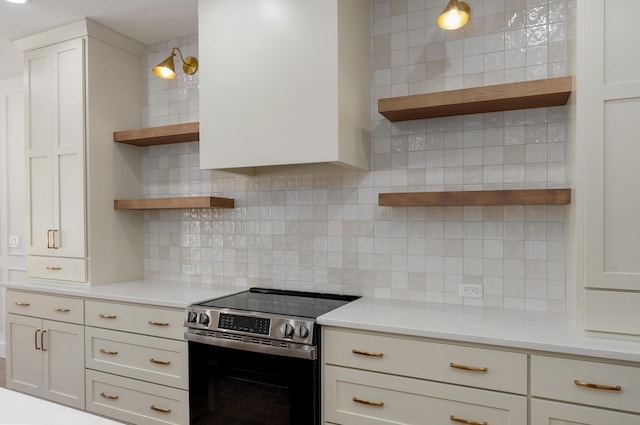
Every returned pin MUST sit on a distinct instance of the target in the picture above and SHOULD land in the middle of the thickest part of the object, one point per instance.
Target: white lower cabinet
(373, 378)
(45, 346)
(137, 363)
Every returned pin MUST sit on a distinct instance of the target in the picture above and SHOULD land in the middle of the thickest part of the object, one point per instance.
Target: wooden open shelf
(173, 203)
(480, 198)
(502, 97)
(167, 134)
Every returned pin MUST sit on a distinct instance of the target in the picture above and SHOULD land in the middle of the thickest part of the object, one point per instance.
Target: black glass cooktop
(283, 302)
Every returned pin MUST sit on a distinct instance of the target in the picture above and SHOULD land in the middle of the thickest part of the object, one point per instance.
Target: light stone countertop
(148, 291)
(18, 408)
(529, 330)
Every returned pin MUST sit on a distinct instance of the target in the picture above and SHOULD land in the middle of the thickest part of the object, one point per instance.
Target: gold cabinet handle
(597, 386)
(111, 353)
(61, 309)
(368, 403)
(107, 316)
(49, 245)
(35, 339)
(53, 268)
(162, 362)
(154, 323)
(158, 409)
(20, 304)
(366, 353)
(110, 397)
(55, 243)
(465, 421)
(42, 340)
(468, 368)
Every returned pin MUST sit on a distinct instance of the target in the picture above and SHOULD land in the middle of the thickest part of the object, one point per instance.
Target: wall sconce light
(455, 15)
(166, 69)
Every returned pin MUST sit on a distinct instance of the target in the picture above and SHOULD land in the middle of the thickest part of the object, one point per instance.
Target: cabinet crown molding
(81, 28)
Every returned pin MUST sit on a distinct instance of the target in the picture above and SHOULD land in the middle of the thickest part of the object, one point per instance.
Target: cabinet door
(24, 355)
(612, 107)
(63, 363)
(554, 413)
(55, 150)
(39, 151)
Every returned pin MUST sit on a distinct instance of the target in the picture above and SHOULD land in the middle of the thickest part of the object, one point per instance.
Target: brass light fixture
(166, 69)
(455, 15)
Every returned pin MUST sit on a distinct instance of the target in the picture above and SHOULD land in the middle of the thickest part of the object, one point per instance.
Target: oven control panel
(282, 328)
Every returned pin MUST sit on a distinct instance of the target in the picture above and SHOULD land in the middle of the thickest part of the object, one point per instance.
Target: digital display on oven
(255, 325)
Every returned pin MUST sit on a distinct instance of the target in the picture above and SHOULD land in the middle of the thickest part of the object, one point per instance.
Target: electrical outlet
(188, 269)
(469, 290)
(14, 241)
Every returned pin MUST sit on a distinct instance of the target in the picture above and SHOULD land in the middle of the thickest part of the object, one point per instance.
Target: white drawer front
(53, 307)
(505, 371)
(610, 311)
(358, 397)
(134, 401)
(136, 356)
(154, 321)
(57, 268)
(555, 378)
(544, 412)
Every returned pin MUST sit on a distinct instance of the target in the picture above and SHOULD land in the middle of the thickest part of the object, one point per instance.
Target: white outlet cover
(188, 269)
(14, 241)
(470, 290)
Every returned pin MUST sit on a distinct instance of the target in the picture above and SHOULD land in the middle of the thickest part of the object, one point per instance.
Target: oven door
(234, 386)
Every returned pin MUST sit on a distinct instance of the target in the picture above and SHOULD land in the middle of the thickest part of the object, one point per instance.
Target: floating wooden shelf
(503, 97)
(173, 203)
(178, 133)
(471, 198)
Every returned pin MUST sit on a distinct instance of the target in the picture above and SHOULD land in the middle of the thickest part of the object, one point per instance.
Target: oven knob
(203, 319)
(303, 331)
(288, 331)
(192, 317)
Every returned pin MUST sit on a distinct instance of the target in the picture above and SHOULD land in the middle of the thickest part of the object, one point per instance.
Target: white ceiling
(148, 21)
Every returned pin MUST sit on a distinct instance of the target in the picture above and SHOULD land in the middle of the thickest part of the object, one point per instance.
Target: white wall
(12, 187)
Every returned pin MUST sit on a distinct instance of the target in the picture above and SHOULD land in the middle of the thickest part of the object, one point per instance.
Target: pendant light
(167, 71)
(455, 15)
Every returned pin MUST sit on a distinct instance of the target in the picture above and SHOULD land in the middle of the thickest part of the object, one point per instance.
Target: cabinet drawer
(357, 397)
(456, 364)
(53, 307)
(57, 268)
(134, 401)
(544, 412)
(137, 356)
(555, 378)
(154, 321)
(598, 308)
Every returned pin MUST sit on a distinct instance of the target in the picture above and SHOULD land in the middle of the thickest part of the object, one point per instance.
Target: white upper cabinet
(284, 82)
(607, 154)
(82, 81)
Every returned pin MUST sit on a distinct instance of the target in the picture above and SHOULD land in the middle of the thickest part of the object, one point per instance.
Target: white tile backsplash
(327, 233)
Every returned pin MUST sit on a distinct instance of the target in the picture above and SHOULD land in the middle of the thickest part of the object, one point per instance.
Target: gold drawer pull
(465, 421)
(53, 268)
(107, 316)
(111, 353)
(42, 340)
(158, 409)
(368, 403)
(469, 368)
(61, 310)
(35, 339)
(154, 323)
(152, 360)
(19, 304)
(597, 386)
(366, 353)
(110, 397)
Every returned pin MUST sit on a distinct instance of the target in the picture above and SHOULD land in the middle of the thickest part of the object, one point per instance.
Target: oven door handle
(307, 352)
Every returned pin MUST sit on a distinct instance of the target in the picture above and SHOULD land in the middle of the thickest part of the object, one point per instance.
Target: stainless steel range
(253, 357)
